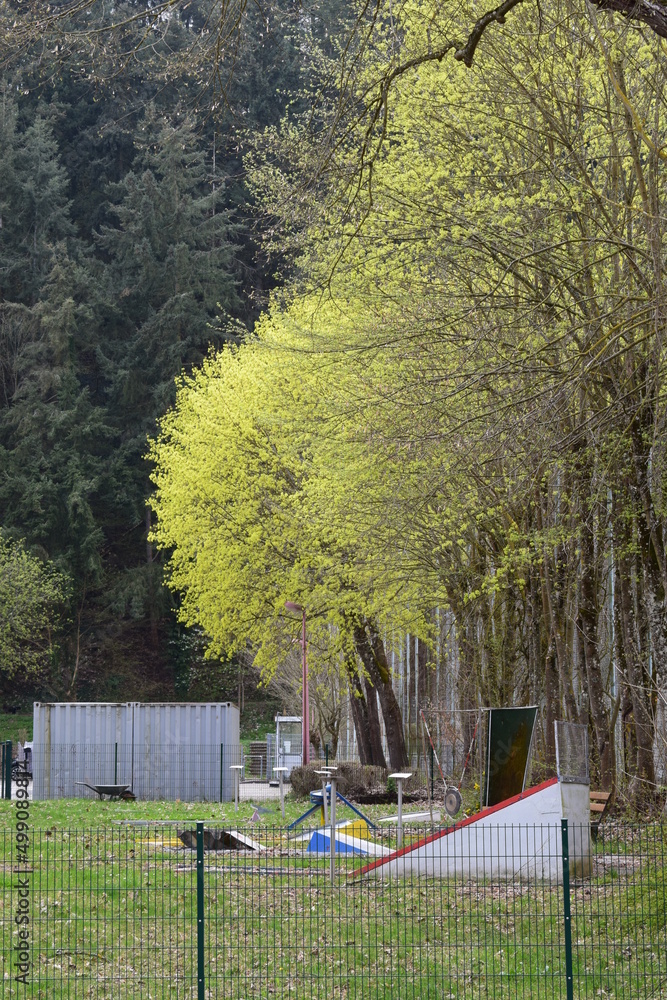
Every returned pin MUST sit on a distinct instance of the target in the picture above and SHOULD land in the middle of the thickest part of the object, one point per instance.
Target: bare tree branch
(466, 53)
(647, 11)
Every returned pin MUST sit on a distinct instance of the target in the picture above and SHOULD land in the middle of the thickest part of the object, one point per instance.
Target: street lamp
(298, 609)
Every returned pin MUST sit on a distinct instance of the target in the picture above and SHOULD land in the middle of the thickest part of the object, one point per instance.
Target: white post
(399, 776)
(236, 768)
(324, 775)
(332, 836)
(281, 771)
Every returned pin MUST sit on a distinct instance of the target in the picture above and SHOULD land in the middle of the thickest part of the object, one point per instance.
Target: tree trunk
(652, 554)
(552, 709)
(152, 610)
(588, 623)
(370, 648)
(643, 782)
(535, 658)
(551, 604)
(375, 733)
(359, 714)
(411, 715)
(423, 675)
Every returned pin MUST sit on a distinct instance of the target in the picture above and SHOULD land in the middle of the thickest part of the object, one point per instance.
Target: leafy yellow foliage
(31, 598)
(377, 448)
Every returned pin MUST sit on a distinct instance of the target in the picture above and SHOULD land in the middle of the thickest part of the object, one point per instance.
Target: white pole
(236, 768)
(399, 776)
(324, 801)
(280, 771)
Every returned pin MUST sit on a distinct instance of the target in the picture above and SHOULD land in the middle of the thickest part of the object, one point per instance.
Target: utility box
(160, 751)
(289, 751)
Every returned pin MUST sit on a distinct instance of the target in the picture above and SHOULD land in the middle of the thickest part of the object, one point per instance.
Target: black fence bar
(131, 912)
(567, 914)
(6, 769)
(201, 937)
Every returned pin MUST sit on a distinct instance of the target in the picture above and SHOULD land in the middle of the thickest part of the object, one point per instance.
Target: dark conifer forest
(128, 250)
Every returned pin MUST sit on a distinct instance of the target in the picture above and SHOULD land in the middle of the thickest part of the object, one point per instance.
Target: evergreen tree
(126, 242)
(53, 436)
(165, 277)
(35, 210)
(9, 193)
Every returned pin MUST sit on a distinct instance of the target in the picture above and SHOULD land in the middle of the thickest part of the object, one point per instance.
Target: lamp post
(298, 609)
(332, 833)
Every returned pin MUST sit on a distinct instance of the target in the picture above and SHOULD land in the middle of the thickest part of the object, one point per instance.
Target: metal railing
(131, 912)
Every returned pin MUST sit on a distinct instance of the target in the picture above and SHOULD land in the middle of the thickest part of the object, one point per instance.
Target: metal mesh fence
(189, 773)
(572, 751)
(131, 912)
(203, 773)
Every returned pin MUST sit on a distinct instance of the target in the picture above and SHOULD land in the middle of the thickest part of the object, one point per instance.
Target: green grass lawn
(114, 915)
(15, 727)
(113, 907)
(78, 812)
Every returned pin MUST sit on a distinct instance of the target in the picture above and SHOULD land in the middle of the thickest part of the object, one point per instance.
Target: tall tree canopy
(480, 371)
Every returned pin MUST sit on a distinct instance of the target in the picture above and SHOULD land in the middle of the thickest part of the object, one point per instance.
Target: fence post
(201, 993)
(332, 831)
(222, 759)
(567, 913)
(8, 769)
(431, 774)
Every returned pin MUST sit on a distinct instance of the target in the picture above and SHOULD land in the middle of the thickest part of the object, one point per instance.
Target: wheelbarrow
(113, 791)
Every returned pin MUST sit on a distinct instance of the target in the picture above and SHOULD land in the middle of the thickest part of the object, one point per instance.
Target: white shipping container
(161, 751)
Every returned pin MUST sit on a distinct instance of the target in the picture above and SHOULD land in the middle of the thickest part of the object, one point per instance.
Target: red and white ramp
(520, 837)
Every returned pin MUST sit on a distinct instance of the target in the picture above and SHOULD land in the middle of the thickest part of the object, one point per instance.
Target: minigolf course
(519, 837)
(350, 838)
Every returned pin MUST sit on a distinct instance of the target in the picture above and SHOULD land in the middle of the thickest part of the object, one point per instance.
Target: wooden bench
(599, 803)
